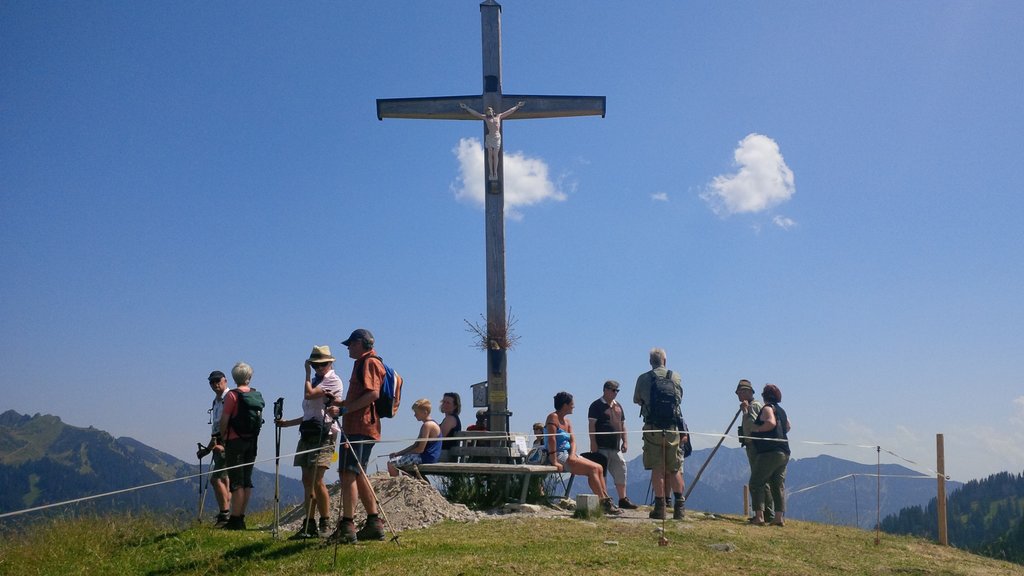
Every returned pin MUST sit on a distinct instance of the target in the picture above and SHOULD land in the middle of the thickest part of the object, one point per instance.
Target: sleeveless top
(562, 440)
(432, 452)
(455, 429)
(779, 432)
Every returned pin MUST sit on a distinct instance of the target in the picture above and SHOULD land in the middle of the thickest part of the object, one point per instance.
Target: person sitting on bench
(562, 451)
(426, 449)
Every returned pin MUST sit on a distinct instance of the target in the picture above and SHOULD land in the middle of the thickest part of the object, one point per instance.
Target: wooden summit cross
(448, 108)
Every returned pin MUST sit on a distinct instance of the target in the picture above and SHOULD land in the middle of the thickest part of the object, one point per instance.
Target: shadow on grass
(232, 559)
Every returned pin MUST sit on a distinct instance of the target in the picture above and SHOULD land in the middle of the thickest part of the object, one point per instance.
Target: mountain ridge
(45, 461)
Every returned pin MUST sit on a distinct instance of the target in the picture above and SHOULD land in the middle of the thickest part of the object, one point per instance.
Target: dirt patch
(408, 504)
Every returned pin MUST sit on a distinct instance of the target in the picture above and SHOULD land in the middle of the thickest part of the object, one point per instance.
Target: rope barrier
(490, 437)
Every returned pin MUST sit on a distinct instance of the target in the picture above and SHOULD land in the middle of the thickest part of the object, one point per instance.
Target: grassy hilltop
(509, 545)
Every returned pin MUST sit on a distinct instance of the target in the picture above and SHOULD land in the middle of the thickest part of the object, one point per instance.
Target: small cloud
(526, 179)
(783, 222)
(659, 197)
(762, 180)
(1018, 403)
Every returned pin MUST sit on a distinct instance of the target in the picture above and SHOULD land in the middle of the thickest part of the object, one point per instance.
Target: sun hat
(320, 355)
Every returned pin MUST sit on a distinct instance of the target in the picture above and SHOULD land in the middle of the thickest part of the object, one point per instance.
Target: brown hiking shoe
(308, 530)
(679, 510)
(609, 509)
(627, 504)
(345, 533)
(659, 509)
(372, 530)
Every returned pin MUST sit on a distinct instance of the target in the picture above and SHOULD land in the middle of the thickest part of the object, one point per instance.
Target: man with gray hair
(659, 392)
(240, 428)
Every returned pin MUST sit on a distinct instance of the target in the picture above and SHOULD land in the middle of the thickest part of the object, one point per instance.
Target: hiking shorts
(661, 451)
(616, 464)
(407, 460)
(321, 459)
(217, 471)
(362, 446)
(239, 456)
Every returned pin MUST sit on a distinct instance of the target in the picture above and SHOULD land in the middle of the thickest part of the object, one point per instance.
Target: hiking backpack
(248, 418)
(386, 405)
(663, 409)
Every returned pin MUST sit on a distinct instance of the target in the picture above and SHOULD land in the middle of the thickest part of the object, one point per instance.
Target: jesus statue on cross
(493, 140)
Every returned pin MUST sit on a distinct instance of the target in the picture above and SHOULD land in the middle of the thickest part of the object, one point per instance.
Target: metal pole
(712, 455)
(202, 488)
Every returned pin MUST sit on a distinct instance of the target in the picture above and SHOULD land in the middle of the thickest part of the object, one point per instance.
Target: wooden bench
(484, 454)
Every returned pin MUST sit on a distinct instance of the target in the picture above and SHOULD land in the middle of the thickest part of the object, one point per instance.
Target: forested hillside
(983, 516)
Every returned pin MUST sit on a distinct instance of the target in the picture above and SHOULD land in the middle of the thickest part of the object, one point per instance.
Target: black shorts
(362, 446)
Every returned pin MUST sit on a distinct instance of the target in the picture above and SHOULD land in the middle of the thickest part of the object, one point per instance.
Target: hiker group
(329, 413)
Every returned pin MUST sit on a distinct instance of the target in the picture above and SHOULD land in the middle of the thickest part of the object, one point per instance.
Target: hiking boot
(221, 519)
(345, 533)
(308, 530)
(372, 530)
(627, 504)
(235, 523)
(609, 509)
(679, 509)
(659, 509)
(323, 525)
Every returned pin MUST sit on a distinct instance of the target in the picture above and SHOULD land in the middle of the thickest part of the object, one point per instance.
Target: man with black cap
(607, 425)
(751, 408)
(361, 429)
(218, 476)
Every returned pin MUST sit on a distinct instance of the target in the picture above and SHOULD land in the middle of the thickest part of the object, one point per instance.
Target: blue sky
(824, 196)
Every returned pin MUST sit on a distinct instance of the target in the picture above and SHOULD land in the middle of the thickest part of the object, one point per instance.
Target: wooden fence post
(941, 498)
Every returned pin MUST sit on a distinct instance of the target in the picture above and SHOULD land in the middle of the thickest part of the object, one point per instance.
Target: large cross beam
(453, 108)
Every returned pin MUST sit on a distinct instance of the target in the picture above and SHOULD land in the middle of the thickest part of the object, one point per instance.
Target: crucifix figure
(464, 108)
(492, 142)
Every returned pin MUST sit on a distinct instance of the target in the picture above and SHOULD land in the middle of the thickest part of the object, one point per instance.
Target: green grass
(724, 545)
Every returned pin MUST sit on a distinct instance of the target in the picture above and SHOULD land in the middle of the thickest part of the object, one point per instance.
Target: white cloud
(659, 197)
(762, 180)
(1018, 403)
(526, 179)
(783, 222)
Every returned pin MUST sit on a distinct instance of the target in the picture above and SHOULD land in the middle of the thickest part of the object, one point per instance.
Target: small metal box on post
(479, 394)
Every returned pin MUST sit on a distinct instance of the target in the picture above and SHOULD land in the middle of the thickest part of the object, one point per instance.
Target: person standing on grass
(659, 392)
(218, 475)
(751, 409)
(607, 426)
(361, 429)
(771, 434)
(240, 428)
(316, 430)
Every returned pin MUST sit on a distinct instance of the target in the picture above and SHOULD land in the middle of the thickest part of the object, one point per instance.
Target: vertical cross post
(450, 108)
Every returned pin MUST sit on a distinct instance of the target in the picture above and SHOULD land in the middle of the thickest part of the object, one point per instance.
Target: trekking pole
(712, 455)
(202, 486)
(278, 413)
